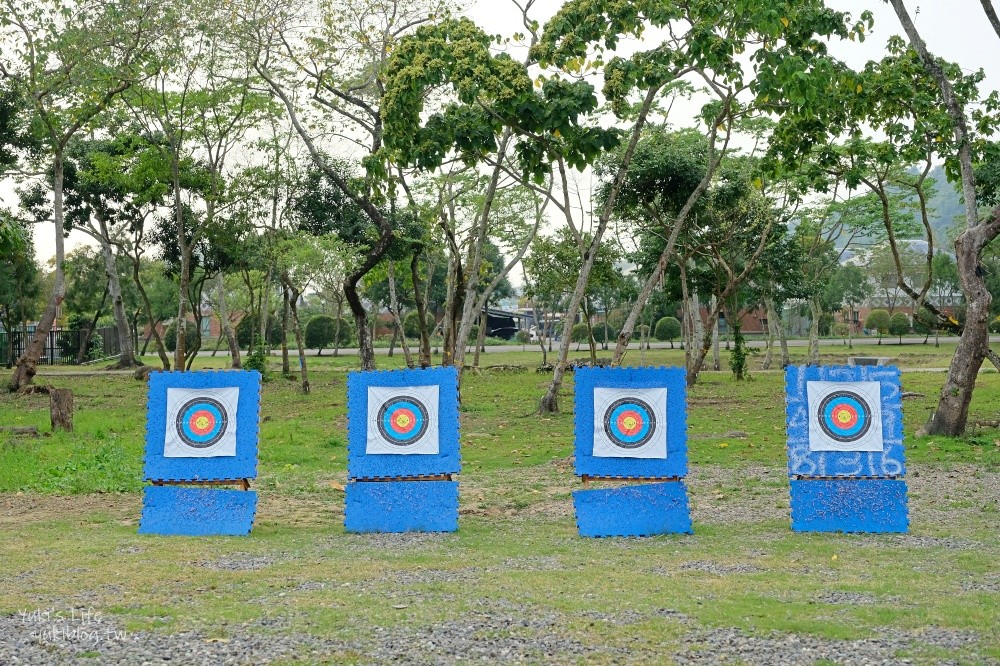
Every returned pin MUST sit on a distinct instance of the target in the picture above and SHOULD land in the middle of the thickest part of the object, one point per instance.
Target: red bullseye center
(202, 422)
(844, 416)
(403, 420)
(629, 422)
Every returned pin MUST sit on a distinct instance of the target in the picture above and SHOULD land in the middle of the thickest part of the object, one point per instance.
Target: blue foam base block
(640, 510)
(401, 506)
(183, 511)
(849, 505)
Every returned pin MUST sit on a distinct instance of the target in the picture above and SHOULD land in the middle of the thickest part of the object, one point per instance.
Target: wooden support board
(243, 484)
(587, 478)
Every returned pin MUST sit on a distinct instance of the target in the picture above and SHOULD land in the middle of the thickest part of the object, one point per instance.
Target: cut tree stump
(61, 409)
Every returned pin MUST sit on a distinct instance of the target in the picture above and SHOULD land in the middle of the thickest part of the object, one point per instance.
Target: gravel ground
(498, 631)
(944, 503)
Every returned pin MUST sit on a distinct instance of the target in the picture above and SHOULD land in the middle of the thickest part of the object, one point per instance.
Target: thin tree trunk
(850, 326)
(394, 312)
(786, 360)
(480, 337)
(24, 372)
(87, 333)
(286, 367)
(336, 328)
(421, 304)
(470, 302)
(657, 275)
(815, 312)
(227, 330)
(550, 401)
(771, 334)
(127, 358)
(300, 341)
(716, 361)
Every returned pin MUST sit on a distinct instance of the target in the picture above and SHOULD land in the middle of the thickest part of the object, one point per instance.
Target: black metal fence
(62, 346)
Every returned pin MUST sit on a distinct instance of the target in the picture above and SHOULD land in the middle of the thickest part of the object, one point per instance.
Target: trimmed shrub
(411, 324)
(667, 329)
(190, 336)
(250, 326)
(899, 324)
(878, 320)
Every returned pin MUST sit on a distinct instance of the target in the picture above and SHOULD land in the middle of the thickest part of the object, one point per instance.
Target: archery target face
(403, 420)
(845, 416)
(630, 423)
(201, 423)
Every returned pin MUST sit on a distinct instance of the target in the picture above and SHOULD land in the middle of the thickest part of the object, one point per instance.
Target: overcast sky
(954, 29)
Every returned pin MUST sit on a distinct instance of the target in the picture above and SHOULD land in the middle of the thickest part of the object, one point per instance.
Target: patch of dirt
(299, 511)
(21, 508)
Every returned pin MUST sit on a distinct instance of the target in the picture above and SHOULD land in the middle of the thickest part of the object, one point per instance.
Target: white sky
(954, 29)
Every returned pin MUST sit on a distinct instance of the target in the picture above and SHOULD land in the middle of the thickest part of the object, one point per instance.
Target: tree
(850, 286)
(899, 324)
(323, 330)
(20, 285)
(667, 328)
(878, 320)
(71, 60)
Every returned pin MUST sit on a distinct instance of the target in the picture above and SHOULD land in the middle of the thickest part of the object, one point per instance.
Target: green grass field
(515, 575)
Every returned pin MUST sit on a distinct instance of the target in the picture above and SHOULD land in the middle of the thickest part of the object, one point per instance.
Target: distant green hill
(946, 209)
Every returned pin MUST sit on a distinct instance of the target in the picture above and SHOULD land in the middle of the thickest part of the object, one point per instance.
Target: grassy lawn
(515, 576)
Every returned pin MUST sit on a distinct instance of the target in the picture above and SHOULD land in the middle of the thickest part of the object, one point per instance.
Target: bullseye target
(630, 423)
(201, 423)
(844, 416)
(403, 420)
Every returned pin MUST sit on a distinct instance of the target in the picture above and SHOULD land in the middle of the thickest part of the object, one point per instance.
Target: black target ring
(391, 414)
(848, 404)
(201, 422)
(629, 408)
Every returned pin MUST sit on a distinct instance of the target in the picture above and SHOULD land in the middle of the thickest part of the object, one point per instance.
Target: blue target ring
(402, 420)
(201, 422)
(844, 416)
(629, 423)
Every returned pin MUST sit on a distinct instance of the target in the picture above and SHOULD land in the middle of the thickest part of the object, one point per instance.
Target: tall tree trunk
(286, 367)
(656, 277)
(24, 372)
(850, 326)
(716, 361)
(470, 303)
(394, 312)
(336, 328)
(88, 332)
(264, 309)
(227, 330)
(300, 340)
(127, 358)
(421, 304)
(952, 412)
(771, 332)
(786, 360)
(815, 312)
